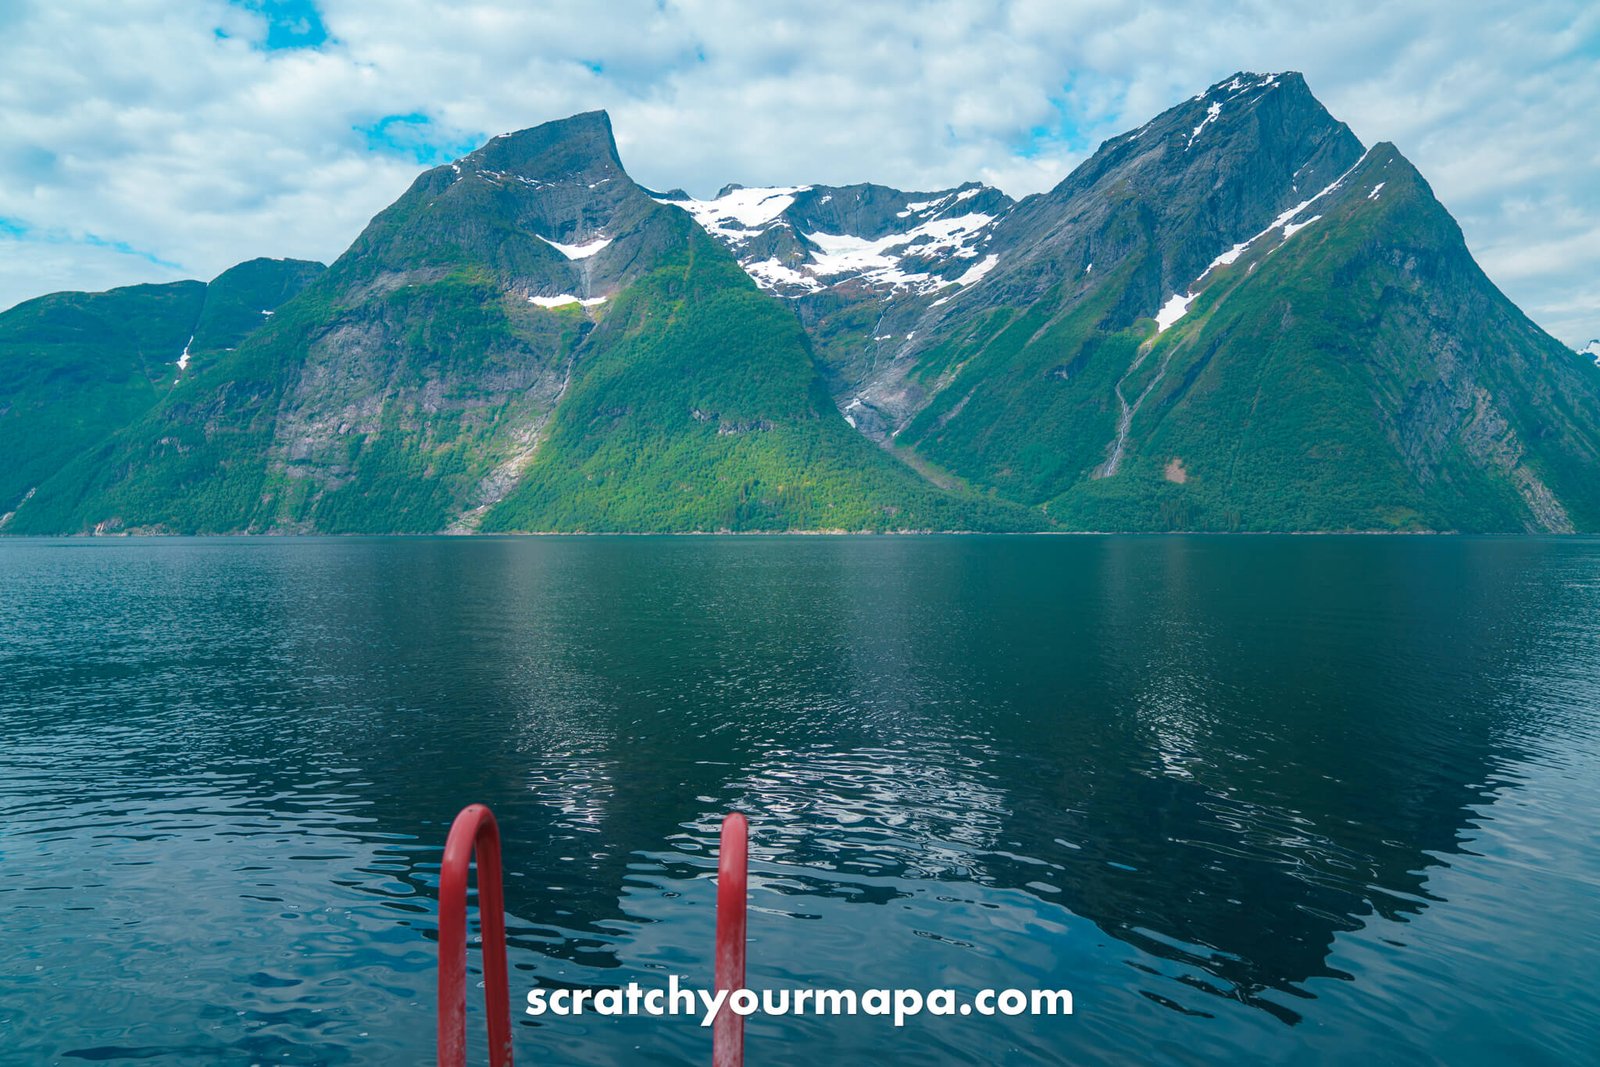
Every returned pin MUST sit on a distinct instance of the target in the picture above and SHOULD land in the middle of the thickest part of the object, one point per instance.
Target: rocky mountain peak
(549, 211)
(580, 146)
(1195, 180)
(1229, 318)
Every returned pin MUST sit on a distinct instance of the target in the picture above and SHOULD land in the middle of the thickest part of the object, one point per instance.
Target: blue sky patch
(290, 23)
(13, 229)
(1060, 132)
(124, 248)
(416, 136)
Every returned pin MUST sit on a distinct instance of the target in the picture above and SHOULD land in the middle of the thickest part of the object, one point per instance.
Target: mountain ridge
(527, 339)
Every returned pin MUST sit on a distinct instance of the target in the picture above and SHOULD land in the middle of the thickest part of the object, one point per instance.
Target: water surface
(1283, 799)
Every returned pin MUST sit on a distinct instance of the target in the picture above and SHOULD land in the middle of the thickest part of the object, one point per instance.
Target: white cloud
(136, 126)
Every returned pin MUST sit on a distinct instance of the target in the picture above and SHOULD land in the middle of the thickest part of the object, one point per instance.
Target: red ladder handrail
(473, 830)
(733, 874)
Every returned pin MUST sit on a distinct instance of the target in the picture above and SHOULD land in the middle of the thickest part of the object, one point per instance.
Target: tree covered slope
(78, 368)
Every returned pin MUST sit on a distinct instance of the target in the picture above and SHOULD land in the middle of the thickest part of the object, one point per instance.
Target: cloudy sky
(148, 140)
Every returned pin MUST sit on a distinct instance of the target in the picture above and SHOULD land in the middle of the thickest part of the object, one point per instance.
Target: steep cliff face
(423, 371)
(1136, 223)
(1370, 376)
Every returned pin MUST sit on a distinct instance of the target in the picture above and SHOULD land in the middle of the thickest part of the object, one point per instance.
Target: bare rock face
(549, 210)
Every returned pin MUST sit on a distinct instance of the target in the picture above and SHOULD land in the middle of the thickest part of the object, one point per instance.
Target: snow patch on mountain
(772, 274)
(919, 207)
(564, 300)
(883, 262)
(1211, 113)
(738, 214)
(583, 251)
(1173, 310)
(938, 232)
(1292, 228)
(978, 270)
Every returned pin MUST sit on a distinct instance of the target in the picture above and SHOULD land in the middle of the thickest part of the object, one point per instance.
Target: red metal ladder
(733, 873)
(475, 831)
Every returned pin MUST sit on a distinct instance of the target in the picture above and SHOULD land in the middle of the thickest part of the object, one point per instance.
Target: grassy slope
(624, 450)
(696, 405)
(1029, 403)
(236, 298)
(81, 368)
(190, 465)
(75, 368)
(170, 433)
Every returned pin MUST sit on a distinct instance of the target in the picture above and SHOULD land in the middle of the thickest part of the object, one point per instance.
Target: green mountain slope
(1343, 363)
(525, 340)
(78, 368)
(1231, 318)
(1361, 374)
(696, 406)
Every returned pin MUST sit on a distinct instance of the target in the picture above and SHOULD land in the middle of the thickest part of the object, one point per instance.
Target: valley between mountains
(1235, 318)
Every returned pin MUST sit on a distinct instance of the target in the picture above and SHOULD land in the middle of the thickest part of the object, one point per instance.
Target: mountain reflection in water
(1286, 798)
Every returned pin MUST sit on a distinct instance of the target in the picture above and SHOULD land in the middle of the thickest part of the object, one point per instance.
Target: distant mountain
(1235, 317)
(78, 368)
(1591, 349)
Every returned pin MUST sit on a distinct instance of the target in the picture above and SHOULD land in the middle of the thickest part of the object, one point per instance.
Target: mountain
(1592, 349)
(526, 339)
(1235, 317)
(78, 368)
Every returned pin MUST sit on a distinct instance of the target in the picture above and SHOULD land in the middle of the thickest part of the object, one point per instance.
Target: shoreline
(441, 535)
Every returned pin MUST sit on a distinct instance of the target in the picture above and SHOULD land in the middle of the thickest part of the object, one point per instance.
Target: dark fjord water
(1258, 799)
